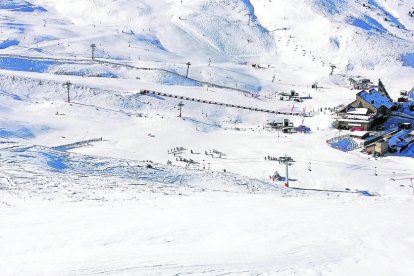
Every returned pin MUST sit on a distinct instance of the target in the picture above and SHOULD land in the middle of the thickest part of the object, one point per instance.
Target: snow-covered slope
(348, 34)
(103, 169)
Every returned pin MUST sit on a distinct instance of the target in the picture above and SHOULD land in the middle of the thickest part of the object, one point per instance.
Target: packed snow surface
(99, 173)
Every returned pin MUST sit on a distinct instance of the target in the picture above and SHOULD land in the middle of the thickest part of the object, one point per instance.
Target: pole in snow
(287, 174)
(93, 47)
(180, 106)
(333, 67)
(287, 160)
(68, 84)
(188, 68)
(248, 23)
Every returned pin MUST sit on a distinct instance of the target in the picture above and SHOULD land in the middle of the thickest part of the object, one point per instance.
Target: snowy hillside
(140, 137)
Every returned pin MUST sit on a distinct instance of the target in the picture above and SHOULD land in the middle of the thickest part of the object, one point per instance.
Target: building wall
(384, 110)
(360, 102)
(366, 126)
(381, 147)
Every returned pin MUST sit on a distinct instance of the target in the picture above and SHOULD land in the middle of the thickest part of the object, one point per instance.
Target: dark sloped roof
(375, 98)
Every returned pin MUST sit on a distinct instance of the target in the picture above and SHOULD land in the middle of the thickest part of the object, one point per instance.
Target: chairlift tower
(288, 161)
(188, 68)
(68, 84)
(248, 23)
(93, 47)
(333, 67)
(180, 106)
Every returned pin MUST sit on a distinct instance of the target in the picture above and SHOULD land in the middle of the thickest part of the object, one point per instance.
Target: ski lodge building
(369, 108)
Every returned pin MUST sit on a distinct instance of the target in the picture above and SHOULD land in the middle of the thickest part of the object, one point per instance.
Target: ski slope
(102, 183)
